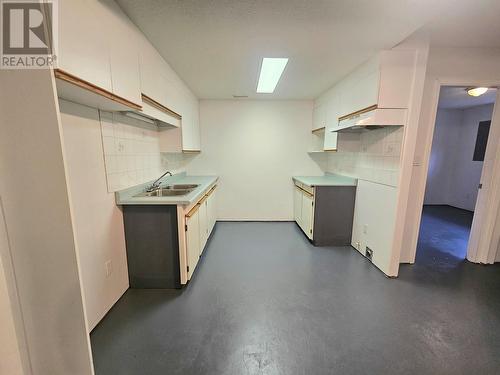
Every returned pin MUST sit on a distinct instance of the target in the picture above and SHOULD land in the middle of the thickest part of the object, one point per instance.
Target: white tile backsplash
(176, 162)
(131, 151)
(372, 155)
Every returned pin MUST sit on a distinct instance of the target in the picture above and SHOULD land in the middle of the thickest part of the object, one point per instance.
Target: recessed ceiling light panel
(270, 73)
(476, 91)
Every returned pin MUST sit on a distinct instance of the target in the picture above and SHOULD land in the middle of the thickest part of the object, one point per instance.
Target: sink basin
(182, 186)
(165, 192)
(146, 194)
(172, 192)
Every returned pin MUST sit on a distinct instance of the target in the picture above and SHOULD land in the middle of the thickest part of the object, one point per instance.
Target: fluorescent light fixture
(476, 91)
(139, 117)
(270, 73)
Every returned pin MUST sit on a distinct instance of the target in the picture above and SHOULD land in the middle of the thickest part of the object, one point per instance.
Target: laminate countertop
(329, 179)
(126, 197)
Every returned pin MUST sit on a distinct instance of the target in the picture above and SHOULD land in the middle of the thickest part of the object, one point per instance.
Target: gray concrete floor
(265, 301)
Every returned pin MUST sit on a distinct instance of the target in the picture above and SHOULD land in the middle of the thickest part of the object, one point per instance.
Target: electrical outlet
(369, 253)
(109, 268)
(365, 229)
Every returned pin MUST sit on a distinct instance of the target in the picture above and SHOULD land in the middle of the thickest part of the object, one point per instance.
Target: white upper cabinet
(153, 79)
(384, 81)
(123, 52)
(191, 126)
(98, 46)
(325, 115)
(105, 62)
(187, 137)
(160, 83)
(319, 115)
(158, 80)
(83, 47)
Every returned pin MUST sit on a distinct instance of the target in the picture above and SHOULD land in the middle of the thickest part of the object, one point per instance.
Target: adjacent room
(460, 139)
(246, 187)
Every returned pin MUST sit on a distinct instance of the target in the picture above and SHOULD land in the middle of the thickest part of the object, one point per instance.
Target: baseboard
(447, 205)
(256, 220)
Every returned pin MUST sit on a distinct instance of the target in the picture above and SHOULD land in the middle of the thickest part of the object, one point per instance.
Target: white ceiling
(216, 46)
(472, 23)
(453, 97)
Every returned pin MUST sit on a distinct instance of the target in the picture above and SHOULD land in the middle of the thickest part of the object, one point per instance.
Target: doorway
(460, 139)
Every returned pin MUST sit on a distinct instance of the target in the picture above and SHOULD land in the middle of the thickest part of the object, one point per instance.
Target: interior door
(488, 201)
(193, 241)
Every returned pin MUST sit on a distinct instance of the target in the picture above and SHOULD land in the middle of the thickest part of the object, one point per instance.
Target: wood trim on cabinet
(211, 190)
(193, 210)
(361, 111)
(305, 191)
(202, 200)
(318, 130)
(70, 78)
(160, 106)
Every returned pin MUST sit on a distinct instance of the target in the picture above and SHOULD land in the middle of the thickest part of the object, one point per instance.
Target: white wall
(38, 219)
(255, 147)
(98, 221)
(443, 157)
(453, 177)
(11, 361)
(458, 66)
(467, 173)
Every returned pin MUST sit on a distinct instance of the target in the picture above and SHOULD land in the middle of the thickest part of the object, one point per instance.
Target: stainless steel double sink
(169, 191)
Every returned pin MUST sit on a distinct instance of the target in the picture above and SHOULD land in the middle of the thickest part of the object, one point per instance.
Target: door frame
(481, 248)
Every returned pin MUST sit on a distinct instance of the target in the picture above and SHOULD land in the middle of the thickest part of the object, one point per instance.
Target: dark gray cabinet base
(333, 215)
(152, 240)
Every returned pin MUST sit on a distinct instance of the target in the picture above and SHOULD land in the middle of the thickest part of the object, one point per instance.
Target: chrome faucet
(156, 184)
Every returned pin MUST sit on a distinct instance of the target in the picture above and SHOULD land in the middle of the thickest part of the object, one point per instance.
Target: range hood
(372, 118)
(155, 115)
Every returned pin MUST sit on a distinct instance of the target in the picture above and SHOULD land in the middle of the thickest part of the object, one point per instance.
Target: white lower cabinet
(192, 241)
(202, 212)
(303, 207)
(307, 214)
(200, 221)
(211, 210)
(297, 205)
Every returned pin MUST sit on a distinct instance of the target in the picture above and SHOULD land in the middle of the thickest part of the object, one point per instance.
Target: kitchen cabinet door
(307, 216)
(212, 211)
(83, 46)
(332, 121)
(202, 212)
(151, 67)
(124, 57)
(193, 241)
(319, 116)
(297, 205)
(191, 125)
(187, 137)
